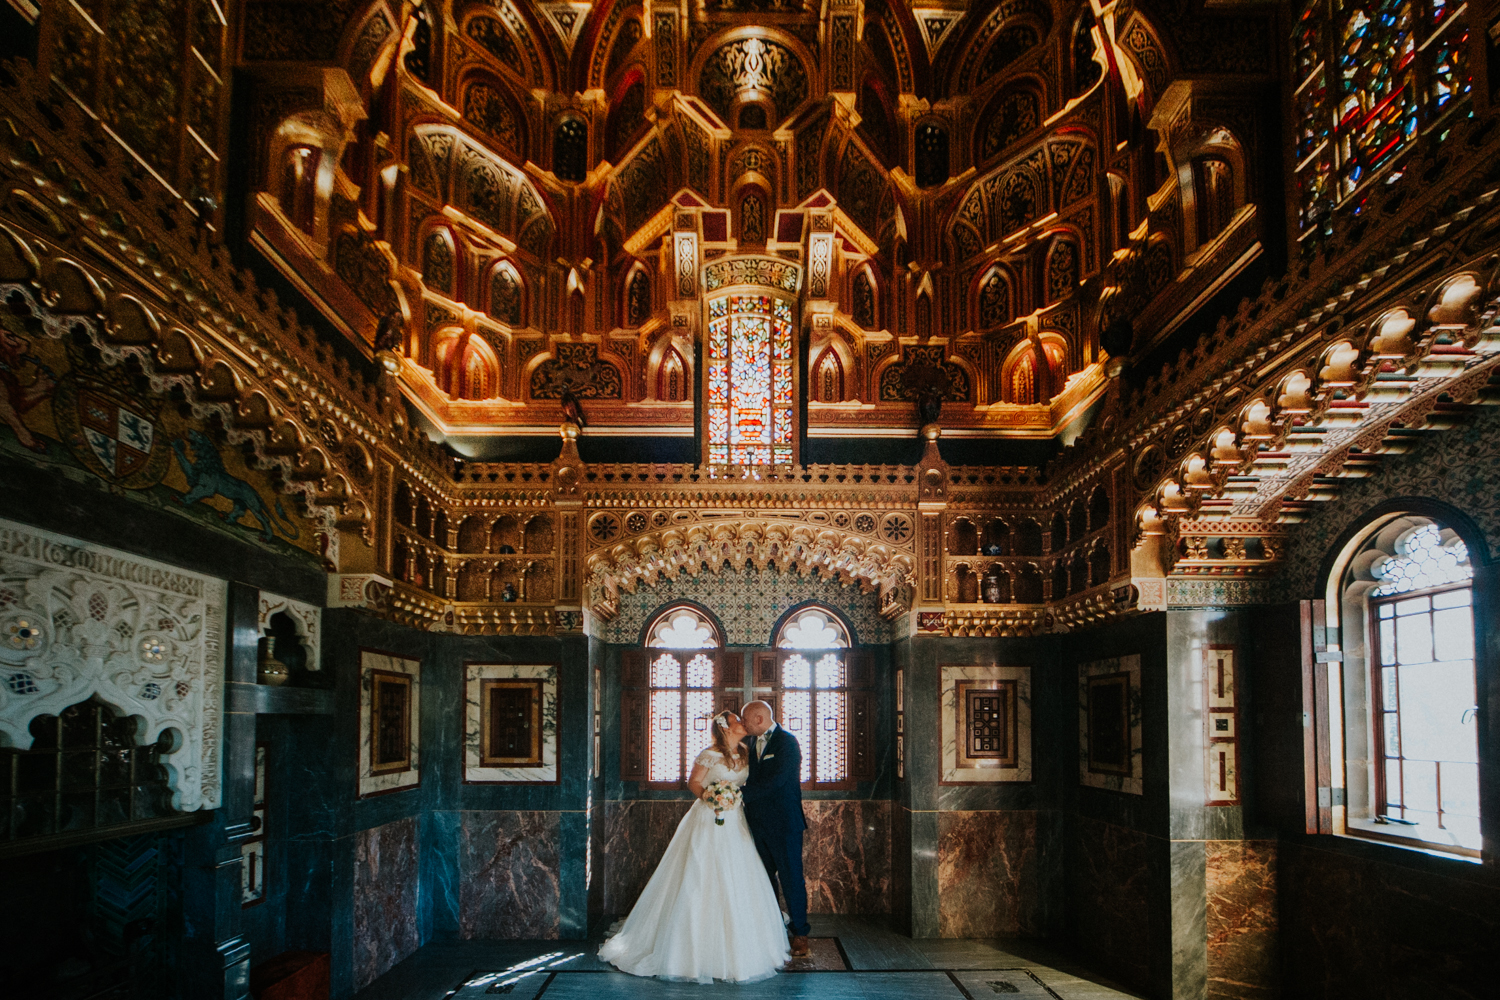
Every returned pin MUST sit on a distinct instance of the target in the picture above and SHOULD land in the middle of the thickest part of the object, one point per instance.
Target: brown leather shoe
(800, 947)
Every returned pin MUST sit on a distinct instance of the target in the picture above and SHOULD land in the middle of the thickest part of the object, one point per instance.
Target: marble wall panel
(385, 898)
(1108, 887)
(989, 874)
(636, 834)
(1355, 926)
(846, 856)
(371, 783)
(509, 872)
(1242, 919)
(958, 767)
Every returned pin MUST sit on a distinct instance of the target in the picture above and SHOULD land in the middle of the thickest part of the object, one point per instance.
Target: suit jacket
(773, 792)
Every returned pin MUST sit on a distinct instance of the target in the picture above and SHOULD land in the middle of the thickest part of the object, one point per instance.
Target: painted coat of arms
(112, 431)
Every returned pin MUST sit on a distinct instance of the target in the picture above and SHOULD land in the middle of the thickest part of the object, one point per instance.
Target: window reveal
(749, 381)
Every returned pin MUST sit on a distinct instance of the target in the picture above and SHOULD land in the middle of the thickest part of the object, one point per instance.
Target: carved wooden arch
(906, 40)
(485, 75)
(637, 54)
(1026, 82)
(804, 548)
(591, 52)
(526, 30)
(634, 73)
(622, 296)
(486, 291)
(812, 64)
(438, 225)
(964, 48)
(1013, 292)
(1143, 45)
(876, 290)
(847, 362)
(366, 38)
(662, 348)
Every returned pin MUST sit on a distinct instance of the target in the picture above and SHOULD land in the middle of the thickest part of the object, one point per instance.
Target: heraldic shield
(112, 431)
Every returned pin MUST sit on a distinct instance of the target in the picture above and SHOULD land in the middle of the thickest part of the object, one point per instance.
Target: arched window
(932, 154)
(1409, 729)
(299, 186)
(828, 377)
(749, 380)
(505, 294)
(437, 262)
(570, 150)
(681, 667)
(819, 701)
(1369, 77)
(671, 377)
(813, 628)
(1213, 187)
(682, 627)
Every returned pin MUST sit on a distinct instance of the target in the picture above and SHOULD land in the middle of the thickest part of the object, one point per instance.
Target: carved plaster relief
(80, 620)
(307, 619)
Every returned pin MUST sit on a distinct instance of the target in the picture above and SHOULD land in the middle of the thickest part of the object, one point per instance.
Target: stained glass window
(749, 381)
(1370, 76)
(1424, 560)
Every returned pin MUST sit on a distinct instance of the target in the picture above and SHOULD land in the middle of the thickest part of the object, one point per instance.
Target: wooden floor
(880, 964)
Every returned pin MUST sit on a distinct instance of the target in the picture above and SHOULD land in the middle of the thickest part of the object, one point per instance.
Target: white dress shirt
(762, 740)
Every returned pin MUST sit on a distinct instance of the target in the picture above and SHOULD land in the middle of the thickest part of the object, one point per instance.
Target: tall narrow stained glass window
(749, 380)
(1370, 77)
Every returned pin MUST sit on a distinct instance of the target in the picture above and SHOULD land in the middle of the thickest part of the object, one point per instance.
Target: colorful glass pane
(750, 381)
(1307, 41)
(1313, 120)
(1451, 76)
(1378, 110)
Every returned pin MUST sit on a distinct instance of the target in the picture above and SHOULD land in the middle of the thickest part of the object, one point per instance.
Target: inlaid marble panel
(371, 782)
(1010, 759)
(846, 856)
(1109, 748)
(1242, 919)
(509, 872)
(475, 769)
(989, 874)
(636, 834)
(1108, 887)
(385, 898)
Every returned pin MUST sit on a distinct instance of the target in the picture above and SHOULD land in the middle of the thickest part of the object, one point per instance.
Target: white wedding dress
(709, 911)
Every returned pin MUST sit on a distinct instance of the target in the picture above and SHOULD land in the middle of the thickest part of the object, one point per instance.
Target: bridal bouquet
(721, 795)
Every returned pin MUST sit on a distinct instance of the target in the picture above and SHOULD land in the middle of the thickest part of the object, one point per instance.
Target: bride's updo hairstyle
(732, 752)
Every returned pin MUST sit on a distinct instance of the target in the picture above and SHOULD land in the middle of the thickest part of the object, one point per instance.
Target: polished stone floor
(859, 957)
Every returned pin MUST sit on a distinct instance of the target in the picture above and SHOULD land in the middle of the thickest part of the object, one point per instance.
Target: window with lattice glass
(820, 698)
(1426, 731)
(670, 691)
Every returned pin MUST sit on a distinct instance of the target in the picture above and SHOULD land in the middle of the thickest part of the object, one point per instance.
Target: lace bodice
(719, 770)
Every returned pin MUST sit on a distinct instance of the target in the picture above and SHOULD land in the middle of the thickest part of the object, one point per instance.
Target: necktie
(760, 744)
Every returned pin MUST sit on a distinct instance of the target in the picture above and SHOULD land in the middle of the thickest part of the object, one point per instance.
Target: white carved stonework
(357, 590)
(79, 620)
(307, 619)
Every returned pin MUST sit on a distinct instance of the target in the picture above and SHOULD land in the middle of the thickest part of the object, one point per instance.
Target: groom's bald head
(758, 717)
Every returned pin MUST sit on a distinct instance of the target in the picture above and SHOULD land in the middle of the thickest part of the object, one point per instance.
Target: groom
(773, 808)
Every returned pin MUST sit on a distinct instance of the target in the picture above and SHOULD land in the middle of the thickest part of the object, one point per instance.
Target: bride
(709, 911)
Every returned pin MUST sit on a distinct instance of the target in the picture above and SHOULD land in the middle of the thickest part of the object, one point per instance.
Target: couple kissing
(709, 910)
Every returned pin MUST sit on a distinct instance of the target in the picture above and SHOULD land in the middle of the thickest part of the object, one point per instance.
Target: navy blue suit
(773, 808)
